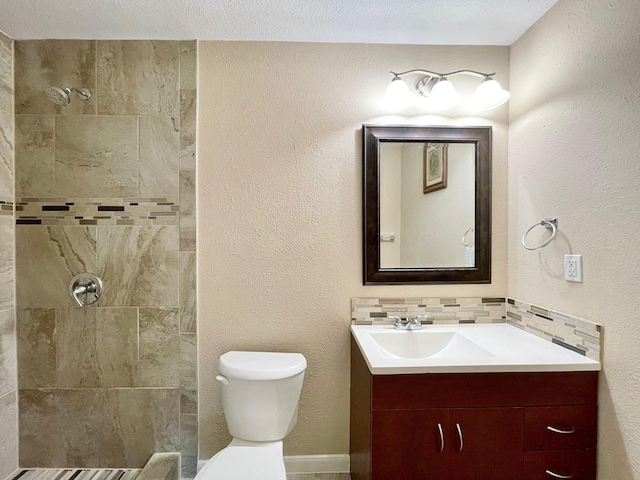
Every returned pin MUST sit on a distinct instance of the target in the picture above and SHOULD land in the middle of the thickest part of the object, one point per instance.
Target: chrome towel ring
(550, 223)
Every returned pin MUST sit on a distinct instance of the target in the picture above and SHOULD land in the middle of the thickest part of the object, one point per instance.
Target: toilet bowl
(260, 394)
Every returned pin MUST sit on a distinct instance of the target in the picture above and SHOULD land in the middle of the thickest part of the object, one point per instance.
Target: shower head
(62, 96)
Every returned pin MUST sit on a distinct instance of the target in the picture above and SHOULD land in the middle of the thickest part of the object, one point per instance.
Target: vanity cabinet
(472, 426)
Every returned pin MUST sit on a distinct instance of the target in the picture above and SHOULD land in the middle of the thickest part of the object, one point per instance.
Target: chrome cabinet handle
(557, 475)
(441, 438)
(460, 437)
(557, 430)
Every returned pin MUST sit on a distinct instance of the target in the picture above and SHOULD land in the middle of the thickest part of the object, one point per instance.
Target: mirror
(427, 204)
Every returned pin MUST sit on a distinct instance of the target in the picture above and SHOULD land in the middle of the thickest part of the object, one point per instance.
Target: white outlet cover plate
(573, 268)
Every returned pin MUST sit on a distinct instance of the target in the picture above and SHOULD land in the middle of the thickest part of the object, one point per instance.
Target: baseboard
(311, 463)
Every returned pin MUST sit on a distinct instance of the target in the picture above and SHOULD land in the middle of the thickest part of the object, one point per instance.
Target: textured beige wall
(574, 146)
(279, 210)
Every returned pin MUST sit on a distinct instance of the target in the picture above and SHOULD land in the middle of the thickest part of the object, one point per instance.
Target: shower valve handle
(85, 288)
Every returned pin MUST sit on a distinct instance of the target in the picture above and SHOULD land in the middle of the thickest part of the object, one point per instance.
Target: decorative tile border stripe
(97, 211)
(376, 311)
(75, 474)
(572, 333)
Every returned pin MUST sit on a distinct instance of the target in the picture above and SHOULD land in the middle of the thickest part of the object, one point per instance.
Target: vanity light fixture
(436, 93)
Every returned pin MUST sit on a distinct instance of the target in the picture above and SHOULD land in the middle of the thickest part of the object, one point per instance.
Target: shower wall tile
(78, 348)
(159, 347)
(8, 362)
(35, 156)
(188, 374)
(188, 64)
(46, 260)
(187, 210)
(7, 267)
(138, 77)
(6, 154)
(36, 347)
(61, 428)
(188, 129)
(6, 73)
(140, 265)
(96, 156)
(137, 423)
(158, 166)
(189, 445)
(8, 439)
(40, 64)
(96, 347)
(110, 384)
(188, 297)
(110, 428)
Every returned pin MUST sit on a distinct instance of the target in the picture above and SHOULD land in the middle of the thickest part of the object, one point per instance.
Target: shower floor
(74, 474)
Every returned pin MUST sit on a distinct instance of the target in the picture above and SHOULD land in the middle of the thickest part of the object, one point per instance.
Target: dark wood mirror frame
(373, 135)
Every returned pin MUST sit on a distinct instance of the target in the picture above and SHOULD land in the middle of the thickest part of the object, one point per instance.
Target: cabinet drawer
(556, 428)
(570, 464)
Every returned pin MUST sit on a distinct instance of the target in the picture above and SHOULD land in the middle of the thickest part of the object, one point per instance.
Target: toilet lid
(261, 365)
(244, 463)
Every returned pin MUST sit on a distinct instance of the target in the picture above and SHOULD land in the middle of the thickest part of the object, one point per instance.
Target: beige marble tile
(188, 64)
(96, 156)
(138, 77)
(8, 361)
(187, 210)
(47, 258)
(188, 122)
(61, 428)
(188, 297)
(139, 265)
(40, 64)
(96, 347)
(161, 466)
(158, 167)
(189, 445)
(9, 436)
(188, 374)
(36, 347)
(138, 423)
(6, 75)
(35, 156)
(6, 155)
(159, 347)
(7, 270)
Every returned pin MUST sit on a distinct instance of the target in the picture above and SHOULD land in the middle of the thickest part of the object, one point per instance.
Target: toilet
(260, 394)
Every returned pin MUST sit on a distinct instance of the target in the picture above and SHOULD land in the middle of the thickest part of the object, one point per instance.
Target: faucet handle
(420, 318)
(398, 321)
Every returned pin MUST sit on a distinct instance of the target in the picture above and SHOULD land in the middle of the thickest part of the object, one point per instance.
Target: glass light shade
(489, 95)
(398, 96)
(443, 96)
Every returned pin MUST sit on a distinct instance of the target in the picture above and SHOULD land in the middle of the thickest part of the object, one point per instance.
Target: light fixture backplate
(425, 85)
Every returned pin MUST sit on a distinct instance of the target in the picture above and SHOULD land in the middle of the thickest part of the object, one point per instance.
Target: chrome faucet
(409, 323)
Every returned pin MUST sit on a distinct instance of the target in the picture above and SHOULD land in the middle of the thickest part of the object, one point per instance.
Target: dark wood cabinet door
(407, 445)
(488, 443)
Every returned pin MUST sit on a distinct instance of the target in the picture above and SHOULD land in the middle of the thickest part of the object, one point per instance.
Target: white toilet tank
(261, 398)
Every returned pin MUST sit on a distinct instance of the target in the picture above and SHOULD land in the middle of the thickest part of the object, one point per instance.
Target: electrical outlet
(573, 268)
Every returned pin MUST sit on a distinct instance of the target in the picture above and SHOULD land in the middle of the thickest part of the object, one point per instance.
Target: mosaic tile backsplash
(376, 311)
(578, 335)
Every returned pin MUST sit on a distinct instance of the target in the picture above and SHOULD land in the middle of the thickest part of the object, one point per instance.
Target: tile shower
(106, 186)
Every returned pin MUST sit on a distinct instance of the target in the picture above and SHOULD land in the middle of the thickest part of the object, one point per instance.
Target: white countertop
(502, 348)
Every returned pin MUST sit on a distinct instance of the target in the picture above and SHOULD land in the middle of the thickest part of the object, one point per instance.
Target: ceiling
(438, 22)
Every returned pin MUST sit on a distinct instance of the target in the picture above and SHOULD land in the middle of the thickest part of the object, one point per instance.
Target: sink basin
(467, 348)
(425, 344)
